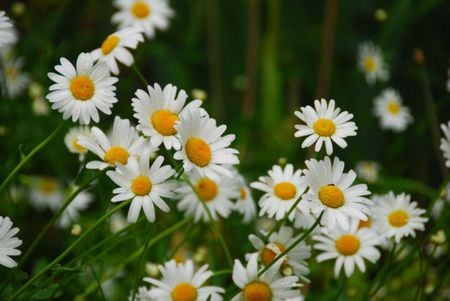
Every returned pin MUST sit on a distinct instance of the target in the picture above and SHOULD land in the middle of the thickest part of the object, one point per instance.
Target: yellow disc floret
(243, 193)
(370, 64)
(398, 218)
(347, 244)
(116, 154)
(268, 254)
(141, 185)
(184, 292)
(285, 190)
(78, 147)
(331, 196)
(47, 185)
(82, 87)
(109, 44)
(393, 107)
(140, 10)
(324, 127)
(198, 151)
(164, 122)
(257, 291)
(207, 189)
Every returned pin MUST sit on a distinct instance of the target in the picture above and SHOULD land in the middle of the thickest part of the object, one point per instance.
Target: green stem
(140, 75)
(30, 155)
(69, 249)
(222, 272)
(99, 285)
(293, 245)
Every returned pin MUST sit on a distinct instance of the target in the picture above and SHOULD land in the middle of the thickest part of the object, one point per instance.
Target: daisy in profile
(331, 191)
(348, 248)
(397, 217)
(72, 143)
(115, 48)
(278, 242)
(203, 148)
(146, 186)
(70, 215)
(180, 282)
(324, 124)
(122, 143)
(79, 92)
(392, 114)
(371, 62)
(7, 33)
(368, 171)
(157, 112)
(147, 15)
(282, 188)
(216, 195)
(269, 286)
(445, 143)
(15, 80)
(8, 243)
(46, 192)
(244, 204)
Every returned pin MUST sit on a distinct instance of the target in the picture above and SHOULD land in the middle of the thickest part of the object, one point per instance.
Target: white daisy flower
(348, 248)
(142, 294)
(368, 171)
(244, 204)
(282, 187)
(216, 194)
(147, 15)
(145, 185)
(179, 282)
(202, 146)
(269, 286)
(445, 143)
(122, 143)
(15, 80)
(72, 143)
(324, 124)
(114, 48)
(7, 33)
(158, 111)
(79, 92)
(392, 114)
(331, 191)
(80, 202)
(46, 192)
(396, 216)
(8, 243)
(371, 62)
(278, 242)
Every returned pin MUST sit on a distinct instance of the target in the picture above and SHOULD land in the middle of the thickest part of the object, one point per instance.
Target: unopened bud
(380, 15)
(76, 230)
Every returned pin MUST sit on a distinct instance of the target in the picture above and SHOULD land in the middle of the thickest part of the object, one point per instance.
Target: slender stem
(99, 285)
(280, 222)
(30, 155)
(69, 249)
(222, 272)
(139, 74)
(293, 245)
(381, 274)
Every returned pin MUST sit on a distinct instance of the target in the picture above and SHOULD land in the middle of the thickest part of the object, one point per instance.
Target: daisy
(158, 111)
(244, 204)
(269, 286)
(282, 188)
(324, 124)
(7, 33)
(147, 15)
(122, 143)
(368, 171)
(396, 216)
(202, 146)
(46, 192)
(216, 196)
(80, 202)
(142, 294)
(79, 92)
(445, 143)
(278, 242)
(145, 185)
(179, 282)
(347, 247)
(114, 47)
(15, 80)
(331, 191)
(8, 243)
(390, 111)
(72, 143)
(370, 61)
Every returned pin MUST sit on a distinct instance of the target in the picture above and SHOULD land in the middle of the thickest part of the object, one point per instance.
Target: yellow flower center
(117, 154)
(198, 151)
(163, 121)
(398, 218)
(140, 10)
(324, 127)
(243, 194)
(347, 244)
(268, 254)
(184, 292)
(331, 196)
(370, 64)
(47, 185)
(11, 73)
(365, 224)
(393, 107)
(141, 185)
(257, 291)
(285, 190)
(109, 44)
(207, 189)
(82, 88)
